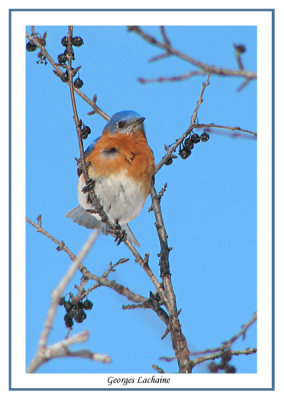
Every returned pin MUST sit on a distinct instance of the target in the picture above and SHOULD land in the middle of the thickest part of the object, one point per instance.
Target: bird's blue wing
(91, 146)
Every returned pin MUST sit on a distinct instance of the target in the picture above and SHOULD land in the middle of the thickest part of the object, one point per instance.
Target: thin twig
(219, 354)
(61, 245)
(102, 280)
(178, 142)
(200, 100)
(174, 78)
(160, 195)
(225, 346)
(242, 332)
(83, 164)
(158, 369)
(189, 129)
(202, 66)
(231, 128)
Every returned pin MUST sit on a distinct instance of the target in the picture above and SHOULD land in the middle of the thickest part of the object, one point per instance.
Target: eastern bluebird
(122, 165)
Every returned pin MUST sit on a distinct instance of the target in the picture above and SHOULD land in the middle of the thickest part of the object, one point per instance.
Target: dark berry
(184, 153)
(204, 137)
(77, 41)
(188, 143)
(30, 46)
(87, 305)
(64, 77)
(195, 138)
(213, 367)
(240, 48)
(68, 306)
(66, 53)
(230, 369)
(85, 131)
(68, 321)
(61, 301)
(62, 58)
(80, 304)
(64, 41)
(78, 83)
(169, 161)
(78, 314)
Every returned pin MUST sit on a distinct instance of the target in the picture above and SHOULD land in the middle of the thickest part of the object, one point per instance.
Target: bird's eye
(121, 124)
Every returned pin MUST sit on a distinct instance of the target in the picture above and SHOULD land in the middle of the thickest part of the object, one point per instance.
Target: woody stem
(178, 339)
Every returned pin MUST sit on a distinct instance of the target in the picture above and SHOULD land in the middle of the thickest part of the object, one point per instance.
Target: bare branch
(158, 369)
(174, 78)
(230, 128)
(219, 354)
(178, 340)
(102, 280)
(205, 68)
(187, 132)
(200, 100)
(219, 351)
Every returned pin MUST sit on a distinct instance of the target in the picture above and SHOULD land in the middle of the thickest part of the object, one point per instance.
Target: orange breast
(133, 156)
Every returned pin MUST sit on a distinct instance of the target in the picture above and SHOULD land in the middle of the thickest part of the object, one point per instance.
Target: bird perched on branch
(121, 164)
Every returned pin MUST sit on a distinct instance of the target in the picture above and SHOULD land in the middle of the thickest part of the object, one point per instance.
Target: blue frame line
(272, 10)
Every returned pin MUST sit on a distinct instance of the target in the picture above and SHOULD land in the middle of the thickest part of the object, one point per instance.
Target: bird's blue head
(124, 122)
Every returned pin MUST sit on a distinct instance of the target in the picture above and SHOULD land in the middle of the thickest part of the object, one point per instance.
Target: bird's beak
(137, 121)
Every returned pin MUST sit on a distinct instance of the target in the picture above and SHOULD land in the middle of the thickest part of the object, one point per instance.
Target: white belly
(121, 197)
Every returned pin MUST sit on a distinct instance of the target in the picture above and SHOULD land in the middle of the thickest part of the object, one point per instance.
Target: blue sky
(209, 207)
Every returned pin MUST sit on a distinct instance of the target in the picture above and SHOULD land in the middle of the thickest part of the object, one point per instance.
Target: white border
(263, 20)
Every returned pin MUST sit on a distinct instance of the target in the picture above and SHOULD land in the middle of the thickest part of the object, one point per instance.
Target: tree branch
(178, 339)
(102, 280)
(203, 67)
(219, 354)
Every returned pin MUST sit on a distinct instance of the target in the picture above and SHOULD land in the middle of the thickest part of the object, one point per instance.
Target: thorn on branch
(39, 221)
(61, 246)
(159, 196)
(112, 266)
(244, 84)
(146, 259)
(159, 57)
(95, 98)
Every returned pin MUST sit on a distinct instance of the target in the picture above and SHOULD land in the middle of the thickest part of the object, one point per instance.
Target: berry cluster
(62, 58)
(76, 41)
(186, 147)
(30, 47)
(85, 130)
(223, 365)
(75, 311)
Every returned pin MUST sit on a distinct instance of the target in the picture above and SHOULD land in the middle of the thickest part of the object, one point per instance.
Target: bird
(122, 166)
